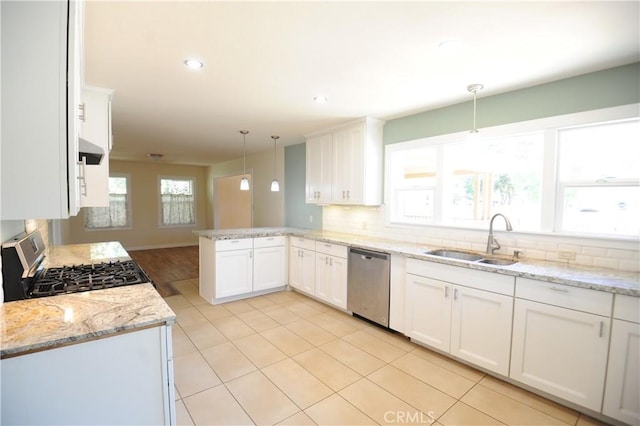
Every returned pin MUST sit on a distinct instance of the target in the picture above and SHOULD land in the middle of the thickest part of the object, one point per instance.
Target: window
(177, 202)
(577, 174)
(118, 214)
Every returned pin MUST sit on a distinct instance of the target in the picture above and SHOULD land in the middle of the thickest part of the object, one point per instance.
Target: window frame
(129, 210)
(551, 201)
(195, 206)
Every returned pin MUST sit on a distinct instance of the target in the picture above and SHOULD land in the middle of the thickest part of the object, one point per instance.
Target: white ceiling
(265, 61)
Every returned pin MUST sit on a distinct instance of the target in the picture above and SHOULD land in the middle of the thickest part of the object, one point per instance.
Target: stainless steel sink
(455, 254)
(501, 262)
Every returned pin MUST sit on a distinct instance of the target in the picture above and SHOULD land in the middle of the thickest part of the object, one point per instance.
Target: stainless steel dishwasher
(368, 285)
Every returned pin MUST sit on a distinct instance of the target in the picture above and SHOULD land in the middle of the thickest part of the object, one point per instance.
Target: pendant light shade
(244, 182)
(473, 133)
(275, 185)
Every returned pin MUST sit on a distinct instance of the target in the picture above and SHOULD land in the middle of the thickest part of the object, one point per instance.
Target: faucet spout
(492, 243)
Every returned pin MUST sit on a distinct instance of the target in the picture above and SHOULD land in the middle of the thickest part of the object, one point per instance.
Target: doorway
(232, 208)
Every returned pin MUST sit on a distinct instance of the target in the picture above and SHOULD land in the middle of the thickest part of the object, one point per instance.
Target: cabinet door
(338, 279)
(295, 267)
(428, 311)
(481, 328)
(323, 277)
(96, 128)
(234, 272)
(348, 165)
(560, 351)
(318, 173)
(622, 394)
(308, 271)
(269, 267)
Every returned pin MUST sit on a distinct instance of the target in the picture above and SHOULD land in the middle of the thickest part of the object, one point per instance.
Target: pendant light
(473, 133)
(244, 182)
(275, 185)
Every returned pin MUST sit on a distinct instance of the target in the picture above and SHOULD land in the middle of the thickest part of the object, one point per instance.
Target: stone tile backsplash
(371, 222)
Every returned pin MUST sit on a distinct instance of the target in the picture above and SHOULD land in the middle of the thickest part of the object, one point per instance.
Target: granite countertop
(578, 276)
(48, 322)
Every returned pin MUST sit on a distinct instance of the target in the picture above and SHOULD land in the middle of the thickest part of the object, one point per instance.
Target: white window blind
(117, 215)
(177, 202)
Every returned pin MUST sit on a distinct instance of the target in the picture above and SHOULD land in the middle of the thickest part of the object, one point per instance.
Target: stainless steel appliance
(24, 277)
(368, 285)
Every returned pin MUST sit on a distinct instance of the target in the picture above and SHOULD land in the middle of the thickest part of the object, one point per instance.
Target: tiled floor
(287, 359)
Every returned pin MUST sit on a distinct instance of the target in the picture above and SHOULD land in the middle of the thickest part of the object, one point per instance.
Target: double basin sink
(470, 257)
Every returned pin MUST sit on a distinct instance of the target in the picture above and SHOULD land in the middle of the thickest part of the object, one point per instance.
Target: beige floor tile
(298, 419)
(214, 312)
(302, 309)
(355, 322)
(204, 335)
(310, 332)
(392, 337)
(449, 364)
(332, 324)
(182, 415)
(585, 420)
(185, 286)
(329, 370)
(352, 357)
(425, 398)
(192, 374)
(259, 350)
(281, 314)
(176, 393)
(463, 415)
(434, 375)
(297, 383)
(380, 405)
(258, 320)
(286, 340)
(259, 302)
(282, 297)
(189, 316)
(233, 327)
(261, 399)
(182, 345)
(216, 406)
(335, 410)
(238, 307)
(228, 361)
(505, 409)
(532, 400)
(375, 346)
(177, 302)
(195, 299)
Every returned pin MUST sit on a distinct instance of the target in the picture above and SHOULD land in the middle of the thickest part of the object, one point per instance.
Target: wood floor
(165, 266)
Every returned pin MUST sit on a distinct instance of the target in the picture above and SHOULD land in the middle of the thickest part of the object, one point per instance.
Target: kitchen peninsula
(102, 356)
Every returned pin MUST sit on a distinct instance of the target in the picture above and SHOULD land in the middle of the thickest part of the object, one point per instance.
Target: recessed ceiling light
(449, 45)
(320, 99)
(194, 64)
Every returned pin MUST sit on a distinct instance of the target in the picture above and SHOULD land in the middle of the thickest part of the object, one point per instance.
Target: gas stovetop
(77, 278)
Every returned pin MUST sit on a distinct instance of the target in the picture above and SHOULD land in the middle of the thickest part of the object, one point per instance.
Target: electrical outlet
(567, 255)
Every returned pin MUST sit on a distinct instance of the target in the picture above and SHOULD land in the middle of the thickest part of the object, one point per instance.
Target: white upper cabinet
(96, 128)
(40, 106)
(344, 164)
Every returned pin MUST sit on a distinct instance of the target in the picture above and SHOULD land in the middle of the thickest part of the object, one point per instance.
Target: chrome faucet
(492, 243)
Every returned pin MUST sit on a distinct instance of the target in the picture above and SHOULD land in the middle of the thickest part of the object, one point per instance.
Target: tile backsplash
(371, 222)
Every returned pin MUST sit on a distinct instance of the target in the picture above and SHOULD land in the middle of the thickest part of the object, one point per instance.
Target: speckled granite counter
(48, 322)
(579, 276)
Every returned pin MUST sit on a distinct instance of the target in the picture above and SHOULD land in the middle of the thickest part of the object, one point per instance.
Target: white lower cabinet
(560, 340)
(233, 269)
(622, 393)
(302, 266)
(470, 323)
(331, 274)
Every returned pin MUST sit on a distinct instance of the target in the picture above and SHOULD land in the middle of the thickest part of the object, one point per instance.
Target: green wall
(602, 89)
(296, 211)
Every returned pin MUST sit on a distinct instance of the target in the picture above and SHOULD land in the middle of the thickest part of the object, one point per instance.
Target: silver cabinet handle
(81, 115)
(348, 194)
(601, 328)
(446, 292)
(82, 178)
(560, 290)
(455, 294)
(330, 261)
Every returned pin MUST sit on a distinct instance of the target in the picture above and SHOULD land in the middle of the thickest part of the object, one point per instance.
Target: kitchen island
(101, 356)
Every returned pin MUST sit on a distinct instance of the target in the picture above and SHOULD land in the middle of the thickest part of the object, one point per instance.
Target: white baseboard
(160, 246)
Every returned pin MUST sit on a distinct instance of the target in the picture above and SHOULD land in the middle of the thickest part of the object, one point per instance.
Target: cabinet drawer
(627, 308)
(467, 277)
(331, 249)
(581, 299)
(303, 243)
(237, 244)
(274, 241)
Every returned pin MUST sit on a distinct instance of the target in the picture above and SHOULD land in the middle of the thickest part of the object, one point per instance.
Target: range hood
(91, 152)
